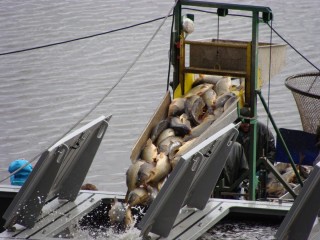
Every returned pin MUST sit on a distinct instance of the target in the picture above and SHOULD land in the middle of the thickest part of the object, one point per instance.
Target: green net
(306, 92)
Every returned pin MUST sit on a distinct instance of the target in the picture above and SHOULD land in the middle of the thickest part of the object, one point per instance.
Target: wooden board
(160, 114)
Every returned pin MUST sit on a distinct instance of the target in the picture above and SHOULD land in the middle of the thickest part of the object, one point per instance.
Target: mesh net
(306, 92)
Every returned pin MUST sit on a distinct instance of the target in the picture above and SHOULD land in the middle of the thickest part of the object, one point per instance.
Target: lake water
(46, 91)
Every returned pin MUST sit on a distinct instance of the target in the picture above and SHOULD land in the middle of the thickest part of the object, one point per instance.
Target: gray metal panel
(302, 215)
(164, 209)
(60, 171)
(192, 221)
(210, 170)
(50, 218)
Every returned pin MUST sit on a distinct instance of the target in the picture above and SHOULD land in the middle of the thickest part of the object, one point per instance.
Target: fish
(182, 150)
(174, 161)
(186, 146)
(132, 175)
(198, 130)
(89, 186)
(176, 107)
(198, 90)
(144, 173)
(209, 79)
(181, 125)
(209, 98)
(152, 192)
(275, 189)
(120, 215)
(289, 176)
(138, 196)
(160, 184)
(169, 132)
(173, 149)
(160, 127)
(165, 144)
(161, 170)
(282, 167)
(222, 99)
(305, 171)
(194, 108)
(223, 86)
(149, 152)
(229, 102)
(218, 112)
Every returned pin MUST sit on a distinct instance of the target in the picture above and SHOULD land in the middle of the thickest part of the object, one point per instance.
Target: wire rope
(108, 92)
(80, 38)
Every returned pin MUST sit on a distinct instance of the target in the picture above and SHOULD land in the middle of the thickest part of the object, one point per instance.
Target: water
(244, 229)
(43, 93)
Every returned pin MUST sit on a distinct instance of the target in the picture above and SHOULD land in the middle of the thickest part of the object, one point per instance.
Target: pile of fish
(275, 189)
(188, 117)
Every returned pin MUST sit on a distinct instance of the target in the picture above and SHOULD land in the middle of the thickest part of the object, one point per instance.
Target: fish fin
(126, 197)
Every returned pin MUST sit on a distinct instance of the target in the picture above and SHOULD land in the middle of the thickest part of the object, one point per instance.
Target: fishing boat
(183, 208)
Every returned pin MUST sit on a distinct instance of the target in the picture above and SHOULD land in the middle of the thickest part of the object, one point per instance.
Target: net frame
(305, 88)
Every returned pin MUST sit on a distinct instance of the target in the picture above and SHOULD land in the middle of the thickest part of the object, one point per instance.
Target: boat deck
(58, 218)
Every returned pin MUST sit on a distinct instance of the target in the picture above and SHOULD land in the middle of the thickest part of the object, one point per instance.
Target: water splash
(103, 232)
(231, 229)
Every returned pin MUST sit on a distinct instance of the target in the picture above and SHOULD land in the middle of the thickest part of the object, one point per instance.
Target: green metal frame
(255, 10)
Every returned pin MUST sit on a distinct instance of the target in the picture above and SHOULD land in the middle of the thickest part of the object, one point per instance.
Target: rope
(108, 92)
(294, 48)
(80, 38)
(146, 22)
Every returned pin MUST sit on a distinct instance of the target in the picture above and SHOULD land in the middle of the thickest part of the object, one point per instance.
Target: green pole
(176, 48)
(253, 106)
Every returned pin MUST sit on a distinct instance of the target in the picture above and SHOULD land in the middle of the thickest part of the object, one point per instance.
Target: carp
(152, 192)
(161, 170)
(176, 107)
(165, 144)
(89, 186)
(149, 152)
(120, 215)
(173, 149)
(162, 125)
(305, 171)
(138, 196)
(209, 79)
(209, 97)
(198, 90)
(222, 99)
(289, 176)
(181, 125)
(132, 175)
(282, 167)
(174, 161)
(144, 173)
(275, 188)
(198, 130)
(194, 107)
(182, 150)
(223, 86)
(169, 132)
